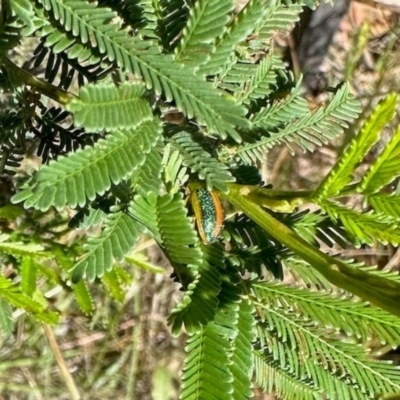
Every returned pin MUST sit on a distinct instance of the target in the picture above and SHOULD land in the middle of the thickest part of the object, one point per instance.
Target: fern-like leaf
(200, 301)
(105, 106)
(16, 298)
(71, 180)
(279, 18)
(194, 156)
(313, 128)
(20, 249)
(276, 114)
(273, 378)
(341, 174)
(364, 227)
(315, 226)
(302, 272)
(384, 170)
(386, 204)
(144, 210)
(63, 60)
(92, 218)
(176, 230)
(174, 173)
(172, 21)
(255, 247)
(63, 43)
(83, 297)
(119, 235)
(336, 368)
(114, 283)
(241, 366)
(148, 177)
(206, 373)
(55, 137)
(237, 31)
(166, 219)
(31, 17)
(262, 81)
(191, 93)
(206, 23)
(143, 17)
(350, 315)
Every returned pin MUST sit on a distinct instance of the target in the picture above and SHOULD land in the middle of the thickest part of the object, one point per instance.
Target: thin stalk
(68, 379)
(51, 91)
(276, 200)
(135, 345)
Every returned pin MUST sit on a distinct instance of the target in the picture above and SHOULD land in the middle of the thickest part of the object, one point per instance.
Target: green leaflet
(28, 276)
(108, 107)
(242, 360)
(10, 293)
(176, 230)
(237, 31)
(116, 281)
(385, 204)
(83, 297)
(355, 318)
(118, 237)
(342, 173)
(280, 17)
(6, 321)
(296, 384)
(333, 367)
(272, 378)
(205, 373)
(200, 301)
(384, 170)
(148, 177)
(18, 249)
(80, 176)
(195, 156)
(307, 128)
(174, 173)
(205, 24)
(261, 83)
(364, 227)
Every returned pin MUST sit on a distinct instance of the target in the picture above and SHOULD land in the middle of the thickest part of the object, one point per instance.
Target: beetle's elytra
(208, 213)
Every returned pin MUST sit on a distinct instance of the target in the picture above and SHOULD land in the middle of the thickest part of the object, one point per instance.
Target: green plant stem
(51, 91)
(374, 289)
(276, 200)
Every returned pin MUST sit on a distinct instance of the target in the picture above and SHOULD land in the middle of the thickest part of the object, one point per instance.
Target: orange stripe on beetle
(209, 214)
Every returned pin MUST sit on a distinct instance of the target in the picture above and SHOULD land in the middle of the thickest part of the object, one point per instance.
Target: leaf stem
(276, 200)
(53, 92)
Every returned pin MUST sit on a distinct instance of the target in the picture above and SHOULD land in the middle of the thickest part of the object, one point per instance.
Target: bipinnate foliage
(166, 93)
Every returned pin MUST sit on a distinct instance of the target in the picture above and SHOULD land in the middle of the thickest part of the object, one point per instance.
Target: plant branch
(375, 289)
(51, 91)
(276, 200)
